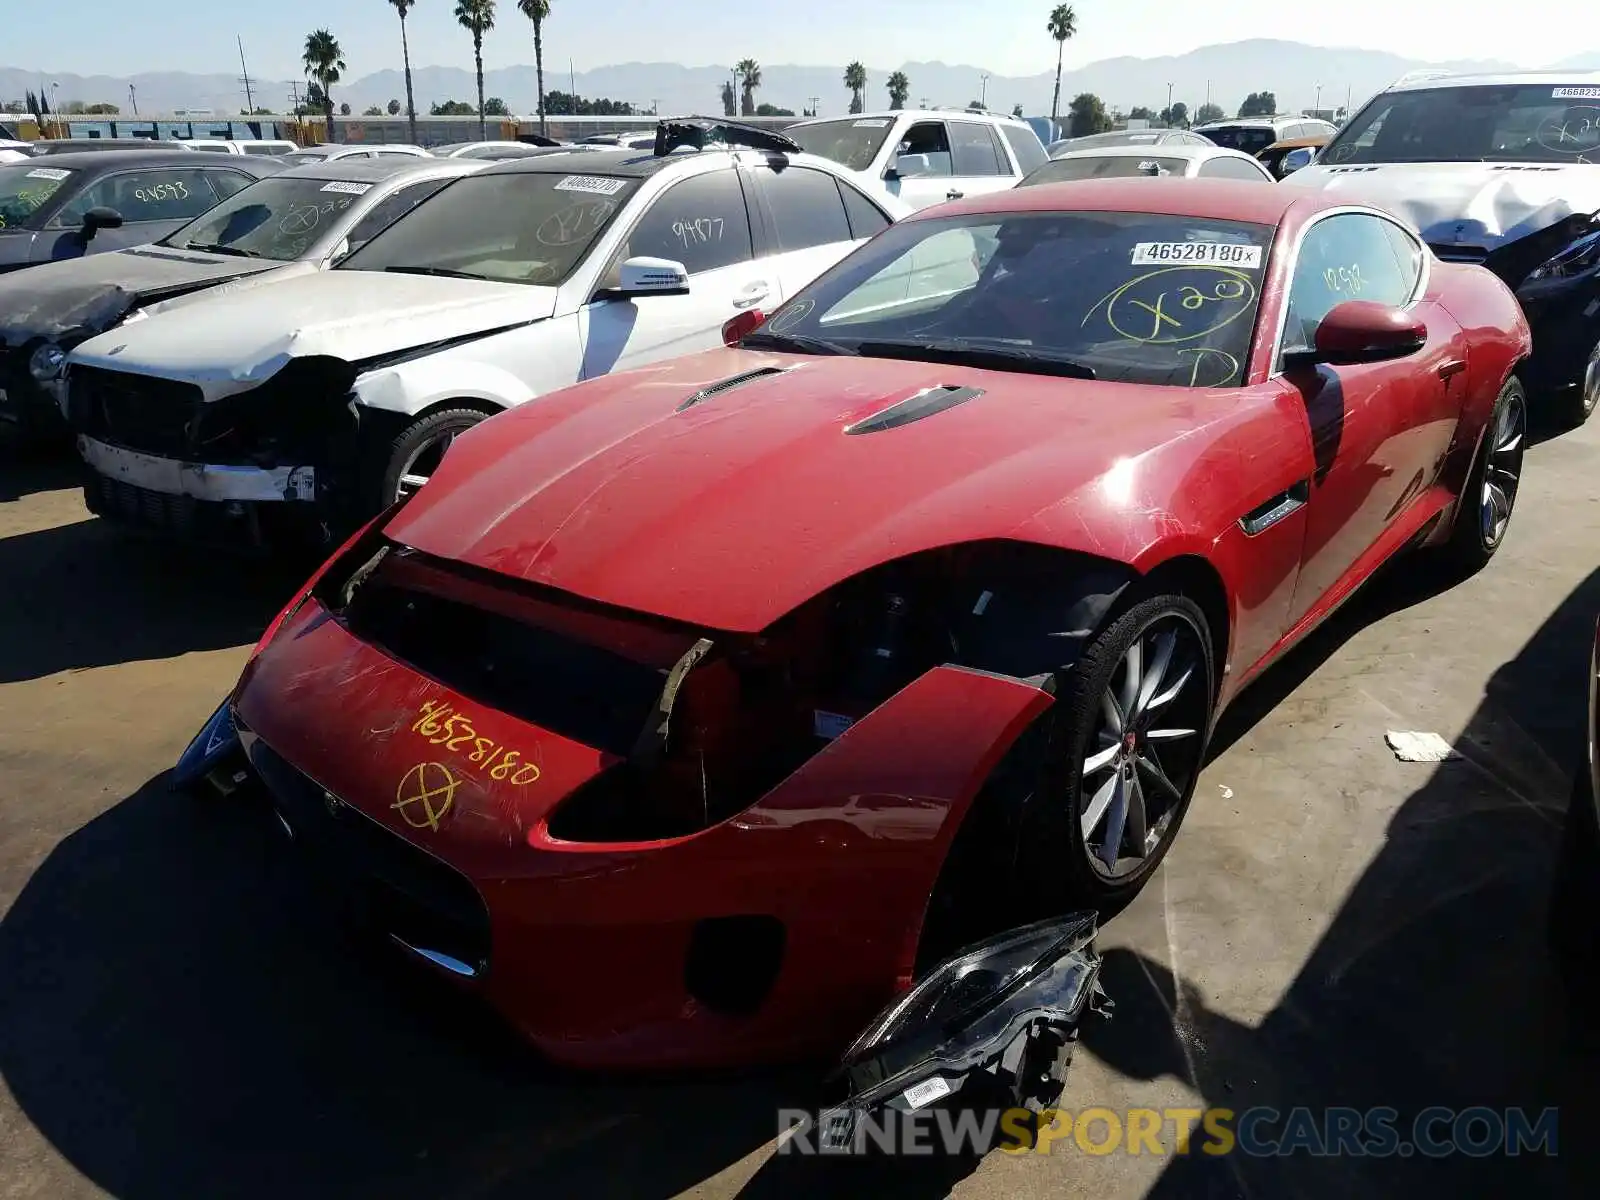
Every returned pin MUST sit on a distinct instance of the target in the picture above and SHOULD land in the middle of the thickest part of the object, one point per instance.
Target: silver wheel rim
(1591, 381)
(421, 463)
(1144, 753)
(1503, 471)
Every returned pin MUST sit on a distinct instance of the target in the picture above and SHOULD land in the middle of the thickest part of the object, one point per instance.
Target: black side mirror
(97, 219)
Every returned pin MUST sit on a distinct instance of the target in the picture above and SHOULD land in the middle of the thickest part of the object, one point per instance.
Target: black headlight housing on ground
(997, 1023)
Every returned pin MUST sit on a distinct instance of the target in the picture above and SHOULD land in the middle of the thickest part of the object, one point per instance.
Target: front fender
(414, 387)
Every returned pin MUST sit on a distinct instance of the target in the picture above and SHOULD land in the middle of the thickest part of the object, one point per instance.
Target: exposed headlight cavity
(1578, 258)
(47, 362)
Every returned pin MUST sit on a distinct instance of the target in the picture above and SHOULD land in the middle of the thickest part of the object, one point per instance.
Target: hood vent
(728, 384)
(915, 407)
(1350, 170)
(1525, 167)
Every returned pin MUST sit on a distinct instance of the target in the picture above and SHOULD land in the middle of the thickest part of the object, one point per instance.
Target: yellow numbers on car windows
(1175, 304)
(442, 725)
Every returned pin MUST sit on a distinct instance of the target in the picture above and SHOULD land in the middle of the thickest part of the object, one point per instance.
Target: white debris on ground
(1419, 747)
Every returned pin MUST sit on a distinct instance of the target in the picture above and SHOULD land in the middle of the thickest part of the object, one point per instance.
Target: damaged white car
(271, 415)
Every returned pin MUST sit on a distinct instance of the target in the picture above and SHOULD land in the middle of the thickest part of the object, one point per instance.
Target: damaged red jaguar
(694, 713)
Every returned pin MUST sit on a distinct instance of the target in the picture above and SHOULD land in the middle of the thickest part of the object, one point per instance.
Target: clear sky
(113, 37)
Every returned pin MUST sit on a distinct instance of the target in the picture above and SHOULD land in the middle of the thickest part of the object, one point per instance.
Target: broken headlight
(997, 1023)
(1579, 258)
(46, 362)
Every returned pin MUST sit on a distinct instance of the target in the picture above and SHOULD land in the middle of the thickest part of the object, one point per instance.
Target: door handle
(952, 194)
(751, 296)
(1452, 368)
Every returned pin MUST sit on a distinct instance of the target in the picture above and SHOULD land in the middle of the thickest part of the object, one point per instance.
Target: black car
(67, 205)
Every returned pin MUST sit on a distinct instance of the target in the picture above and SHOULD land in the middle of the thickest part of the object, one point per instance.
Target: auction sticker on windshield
(598, 184)
(1230, 254)
(48, 173)
(1576, 93)
(352, 189)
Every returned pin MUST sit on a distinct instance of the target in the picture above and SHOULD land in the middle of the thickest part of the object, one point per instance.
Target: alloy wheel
(1145, 751)
(1591, 382)
(1501, 475)
(422, 463)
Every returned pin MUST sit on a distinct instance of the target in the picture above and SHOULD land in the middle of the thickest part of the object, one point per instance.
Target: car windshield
(1252, 139)
(852, 143)
(1514, 123)
(1106, 166)
(527, 227)
(278, 217)
(1120, 137)
(1135, 297)
(25, 188)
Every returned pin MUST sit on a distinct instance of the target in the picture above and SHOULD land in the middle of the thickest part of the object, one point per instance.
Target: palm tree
(403, 7)
(899, 89)
(538, 11)
(855, 78)
(477, 18)
(324, 61)
(730, 102)
(749, 71)
(1063, 24)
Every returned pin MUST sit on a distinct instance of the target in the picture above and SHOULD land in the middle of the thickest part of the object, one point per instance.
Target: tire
(1022, 854)
(1576, 405)
(1488, 499)
(410, 454)
(1574, 916)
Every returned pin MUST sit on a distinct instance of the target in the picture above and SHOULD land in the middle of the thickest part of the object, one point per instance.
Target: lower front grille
(140, 412)
(407, 892)
(140, 506)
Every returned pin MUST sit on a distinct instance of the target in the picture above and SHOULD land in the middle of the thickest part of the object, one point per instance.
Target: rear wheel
(1484, 511)
(410, 458)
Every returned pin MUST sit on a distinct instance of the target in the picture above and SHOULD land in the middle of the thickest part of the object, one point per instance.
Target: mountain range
(1293, 71)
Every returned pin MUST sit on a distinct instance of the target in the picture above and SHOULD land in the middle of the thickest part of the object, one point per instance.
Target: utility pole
(815, 101)
(572, 83)
(249, 96)
(133, 100)
(983, 92)
(1317, 107)
(1167, 116)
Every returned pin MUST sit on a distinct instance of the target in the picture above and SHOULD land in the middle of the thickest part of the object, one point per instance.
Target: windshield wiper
(792, 342)
(957, 350)
(446, 272)
(213, 248)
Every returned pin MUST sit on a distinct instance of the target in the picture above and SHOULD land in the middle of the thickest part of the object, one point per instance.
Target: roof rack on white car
(701, 132)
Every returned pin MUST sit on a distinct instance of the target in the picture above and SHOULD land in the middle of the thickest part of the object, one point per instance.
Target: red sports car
(689, 713)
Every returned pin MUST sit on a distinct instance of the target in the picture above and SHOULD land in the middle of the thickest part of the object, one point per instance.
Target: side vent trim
(728, 384)
(915, 407)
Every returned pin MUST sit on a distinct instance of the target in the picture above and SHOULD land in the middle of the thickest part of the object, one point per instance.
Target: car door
(981, 164)
(1379, 430)
(922, 169)
(153, 202)
(809, 226)
(702, 222)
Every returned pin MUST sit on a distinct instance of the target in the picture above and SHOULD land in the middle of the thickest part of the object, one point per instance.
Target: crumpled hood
(237, 341)
(1467, 204)
(80, 296)
(742, 506)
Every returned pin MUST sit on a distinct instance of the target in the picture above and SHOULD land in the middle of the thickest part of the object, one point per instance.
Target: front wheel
(409, 459)
(1577, 405)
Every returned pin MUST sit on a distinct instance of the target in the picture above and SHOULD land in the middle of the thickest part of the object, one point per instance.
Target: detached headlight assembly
(1581, 257)
(998, 1023)
(47, 362)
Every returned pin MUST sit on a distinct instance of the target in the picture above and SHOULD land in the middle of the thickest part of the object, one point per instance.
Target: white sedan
(320, 400)
(1193, 162)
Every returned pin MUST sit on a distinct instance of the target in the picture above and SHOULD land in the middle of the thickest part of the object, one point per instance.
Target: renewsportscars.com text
(1259, 1132)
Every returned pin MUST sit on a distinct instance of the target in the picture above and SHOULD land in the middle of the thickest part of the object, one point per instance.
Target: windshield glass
(1515, 123)
(25, 188)
(1136, 297)
(277, 217)
(853, 143)
(521, 228)
(1120, 137)
(1252, 139)
(1106, 166)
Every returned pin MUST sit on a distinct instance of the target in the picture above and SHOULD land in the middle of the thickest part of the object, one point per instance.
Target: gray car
(290, 223)
(69, 205)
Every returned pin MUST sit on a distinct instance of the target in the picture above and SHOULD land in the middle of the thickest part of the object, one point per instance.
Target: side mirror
(1295, 159)
(737, 327)
(1360, 331)
(97, 219)
(643, 276)
(892, 172)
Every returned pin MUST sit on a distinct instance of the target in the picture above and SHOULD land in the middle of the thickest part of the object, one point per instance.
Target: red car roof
(1217, 199)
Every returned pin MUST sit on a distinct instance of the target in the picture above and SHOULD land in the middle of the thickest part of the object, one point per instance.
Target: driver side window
(924, 152)
(701, 222)
(1346, 257)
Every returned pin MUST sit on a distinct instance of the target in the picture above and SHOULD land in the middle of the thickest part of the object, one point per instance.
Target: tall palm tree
(477, 18)
(899, 89)
(537, 11)
(1063, 25)
(749, 71)
(324, 61)
(403, 7)
(855, 78)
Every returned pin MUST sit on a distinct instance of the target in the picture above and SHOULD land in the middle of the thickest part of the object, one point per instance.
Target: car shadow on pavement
(25, 470)
(1431, 987)
(88, 595)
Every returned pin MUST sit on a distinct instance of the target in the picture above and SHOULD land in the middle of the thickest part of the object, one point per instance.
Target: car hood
(234, 342)
(743, 505)
(80, 296)
(1467, 204)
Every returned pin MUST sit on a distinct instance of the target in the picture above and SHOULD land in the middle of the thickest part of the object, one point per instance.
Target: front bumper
(209, 483)
(1565, 319)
